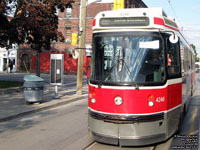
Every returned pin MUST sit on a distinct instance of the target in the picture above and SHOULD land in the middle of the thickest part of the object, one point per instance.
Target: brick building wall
(68, 24)
(134, 4)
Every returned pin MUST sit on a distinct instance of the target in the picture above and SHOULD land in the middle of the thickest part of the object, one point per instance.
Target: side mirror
(173, 39)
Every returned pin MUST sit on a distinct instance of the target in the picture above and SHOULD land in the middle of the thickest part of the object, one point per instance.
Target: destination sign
(124, 21)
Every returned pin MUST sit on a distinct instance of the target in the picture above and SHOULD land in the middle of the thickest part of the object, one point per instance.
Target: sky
(187, 15)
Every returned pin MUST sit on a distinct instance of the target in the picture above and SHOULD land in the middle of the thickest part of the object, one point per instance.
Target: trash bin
(33, 88)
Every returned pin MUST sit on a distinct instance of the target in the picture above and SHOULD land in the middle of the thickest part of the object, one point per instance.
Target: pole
(38, 64)
(81, 52)
(56, 93)
(7, 65)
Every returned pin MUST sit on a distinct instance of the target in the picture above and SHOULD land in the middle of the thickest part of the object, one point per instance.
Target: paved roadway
(61, 128)
(65, 128)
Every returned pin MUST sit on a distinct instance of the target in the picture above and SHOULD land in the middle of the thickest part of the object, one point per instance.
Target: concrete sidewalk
(13, 105)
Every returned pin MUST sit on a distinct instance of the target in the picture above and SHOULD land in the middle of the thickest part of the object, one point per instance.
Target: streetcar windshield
(127, 58)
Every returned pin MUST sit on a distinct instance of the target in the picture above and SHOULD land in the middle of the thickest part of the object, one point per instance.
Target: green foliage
(10, 84)
(196, 55)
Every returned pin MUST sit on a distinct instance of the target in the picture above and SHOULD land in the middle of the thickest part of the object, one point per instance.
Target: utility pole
(81, 45)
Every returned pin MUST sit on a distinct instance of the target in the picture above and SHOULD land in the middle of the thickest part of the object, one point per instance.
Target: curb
(48, 106)
(11, 90)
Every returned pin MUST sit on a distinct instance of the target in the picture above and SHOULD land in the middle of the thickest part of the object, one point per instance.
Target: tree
(35, 22)
(196, 55)
(6, 29)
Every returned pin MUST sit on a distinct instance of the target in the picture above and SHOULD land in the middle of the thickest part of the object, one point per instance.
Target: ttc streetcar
(141, 77)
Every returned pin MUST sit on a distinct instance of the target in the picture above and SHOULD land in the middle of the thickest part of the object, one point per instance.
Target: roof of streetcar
(147, 19)
(142, 17)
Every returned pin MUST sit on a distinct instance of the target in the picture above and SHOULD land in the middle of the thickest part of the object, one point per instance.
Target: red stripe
(160, 21)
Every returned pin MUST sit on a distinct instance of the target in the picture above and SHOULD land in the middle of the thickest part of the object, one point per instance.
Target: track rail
(89, 146)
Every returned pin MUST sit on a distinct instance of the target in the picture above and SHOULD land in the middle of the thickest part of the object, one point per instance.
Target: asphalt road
(61, 128)
(65, 128)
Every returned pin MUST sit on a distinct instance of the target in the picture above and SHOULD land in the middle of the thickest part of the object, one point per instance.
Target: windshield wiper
(129, 73)
(111, 69)
(106, 77)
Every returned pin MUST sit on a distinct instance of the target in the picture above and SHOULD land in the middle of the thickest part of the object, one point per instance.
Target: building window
(68, 12)
(112, 6)
(68, 34)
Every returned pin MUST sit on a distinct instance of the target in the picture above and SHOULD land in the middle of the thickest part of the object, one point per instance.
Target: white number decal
(160, 99)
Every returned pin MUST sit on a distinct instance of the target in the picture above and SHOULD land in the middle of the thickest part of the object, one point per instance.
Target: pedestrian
(10, 65)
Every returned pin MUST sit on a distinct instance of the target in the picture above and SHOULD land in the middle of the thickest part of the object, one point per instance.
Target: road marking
(192, 128)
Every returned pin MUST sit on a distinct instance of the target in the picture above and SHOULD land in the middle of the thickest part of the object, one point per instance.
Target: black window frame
(178, 74)
(160, 83)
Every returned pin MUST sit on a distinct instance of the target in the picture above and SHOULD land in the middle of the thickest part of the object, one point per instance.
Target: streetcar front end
(131, 102)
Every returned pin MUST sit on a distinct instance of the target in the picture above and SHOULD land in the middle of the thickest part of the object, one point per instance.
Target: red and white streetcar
(141, 77)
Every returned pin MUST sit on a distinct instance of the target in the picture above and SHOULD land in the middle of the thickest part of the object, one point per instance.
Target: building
(134, 4)
(68, 24)
(9, 56)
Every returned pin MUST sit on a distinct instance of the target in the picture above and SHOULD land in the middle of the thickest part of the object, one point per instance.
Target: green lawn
(10, 84)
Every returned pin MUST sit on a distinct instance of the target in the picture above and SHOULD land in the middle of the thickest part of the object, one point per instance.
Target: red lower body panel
(135, 101)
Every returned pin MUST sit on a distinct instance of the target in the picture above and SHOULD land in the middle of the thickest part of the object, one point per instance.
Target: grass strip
(10, 84)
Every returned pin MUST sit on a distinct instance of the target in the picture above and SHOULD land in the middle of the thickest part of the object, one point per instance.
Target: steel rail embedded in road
(89, 146)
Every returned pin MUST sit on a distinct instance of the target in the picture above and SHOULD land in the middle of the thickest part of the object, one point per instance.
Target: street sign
(74, 39)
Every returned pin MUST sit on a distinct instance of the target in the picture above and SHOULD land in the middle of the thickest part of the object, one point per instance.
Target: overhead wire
(192, 30)
(173, 10)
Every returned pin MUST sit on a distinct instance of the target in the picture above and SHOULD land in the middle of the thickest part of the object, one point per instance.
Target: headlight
(118, 100)
(93, 100)
(150, 103)
(151, 100)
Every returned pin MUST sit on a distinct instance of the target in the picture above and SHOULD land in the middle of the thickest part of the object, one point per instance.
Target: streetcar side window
(173, 58)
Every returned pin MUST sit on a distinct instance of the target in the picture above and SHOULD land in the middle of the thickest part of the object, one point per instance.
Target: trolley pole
(81, 45)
